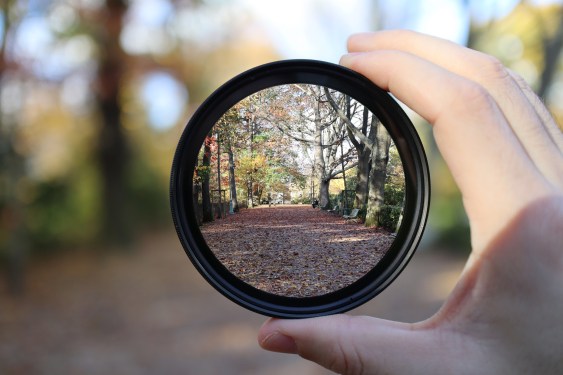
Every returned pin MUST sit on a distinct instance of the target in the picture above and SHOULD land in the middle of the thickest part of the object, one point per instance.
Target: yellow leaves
(518, 39)
(50, 137)
(254, 165)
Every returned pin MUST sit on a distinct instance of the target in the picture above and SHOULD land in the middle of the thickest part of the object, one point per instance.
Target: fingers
(546, 118)
(487, 161)
(365, 345)
(538, 133)
(501, 146)
(346, 345)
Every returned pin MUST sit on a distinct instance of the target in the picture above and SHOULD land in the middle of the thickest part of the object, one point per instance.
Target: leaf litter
(295, 250)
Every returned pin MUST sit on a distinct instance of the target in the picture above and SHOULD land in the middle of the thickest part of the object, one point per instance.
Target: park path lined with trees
(289, 143)
(295, 250)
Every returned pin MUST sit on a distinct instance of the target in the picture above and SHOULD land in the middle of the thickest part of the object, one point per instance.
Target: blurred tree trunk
(112, 148)
(12, 211)
(552, 48)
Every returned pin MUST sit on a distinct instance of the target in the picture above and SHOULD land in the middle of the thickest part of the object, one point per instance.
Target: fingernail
(347, 59)
(278, 342)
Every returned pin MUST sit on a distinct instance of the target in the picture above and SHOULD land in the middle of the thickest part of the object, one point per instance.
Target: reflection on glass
(299, 190)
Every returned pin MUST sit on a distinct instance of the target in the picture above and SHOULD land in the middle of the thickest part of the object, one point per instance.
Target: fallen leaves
(295, 250)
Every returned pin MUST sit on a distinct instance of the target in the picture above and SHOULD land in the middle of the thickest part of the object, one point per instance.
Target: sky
(319, 28)
(315, 29)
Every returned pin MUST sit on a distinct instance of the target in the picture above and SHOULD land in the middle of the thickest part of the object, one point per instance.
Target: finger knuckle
(346, 357)
(520, 81)
(471, 100)
(493, 68)
(473, 96)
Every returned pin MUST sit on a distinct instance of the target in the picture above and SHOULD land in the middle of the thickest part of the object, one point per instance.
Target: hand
(505, 315)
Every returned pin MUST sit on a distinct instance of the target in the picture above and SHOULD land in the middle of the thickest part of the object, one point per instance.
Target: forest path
(295, 250)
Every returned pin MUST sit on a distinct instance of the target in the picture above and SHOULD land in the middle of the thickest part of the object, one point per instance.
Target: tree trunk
(378, 142)
(232, 181)
(363, 141)
(197, 207)
(364, 158)
(320, 167)
(362, 176)
(219, 192)
(113, 151)
(207, 209)
(378, 174)
(324, 184)
(249, 198)
(375, 196)
(250, 180)
(258, 193)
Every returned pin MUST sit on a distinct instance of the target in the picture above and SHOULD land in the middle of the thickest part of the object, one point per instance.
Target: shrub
(389, 217)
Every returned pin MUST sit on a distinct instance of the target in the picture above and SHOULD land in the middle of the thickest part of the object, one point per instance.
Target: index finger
(538, 133)
(487, 161)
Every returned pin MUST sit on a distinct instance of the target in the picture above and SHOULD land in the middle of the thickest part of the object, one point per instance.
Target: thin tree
(229, 127)
(205, 173)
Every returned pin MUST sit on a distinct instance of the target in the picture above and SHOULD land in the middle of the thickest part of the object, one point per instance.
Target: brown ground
(295, 250)
(149, 312)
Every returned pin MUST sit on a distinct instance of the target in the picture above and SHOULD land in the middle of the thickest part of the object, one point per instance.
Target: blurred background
(94, 95)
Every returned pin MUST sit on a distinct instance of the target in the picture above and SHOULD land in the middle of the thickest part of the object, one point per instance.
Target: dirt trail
(149, 312)
(295, 250)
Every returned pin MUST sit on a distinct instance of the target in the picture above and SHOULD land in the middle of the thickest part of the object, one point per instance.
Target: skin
(505, 151)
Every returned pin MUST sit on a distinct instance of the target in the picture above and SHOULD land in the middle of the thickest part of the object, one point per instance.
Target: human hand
(505, 151)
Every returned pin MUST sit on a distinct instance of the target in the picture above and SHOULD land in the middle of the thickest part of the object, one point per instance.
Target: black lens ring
(404, 135)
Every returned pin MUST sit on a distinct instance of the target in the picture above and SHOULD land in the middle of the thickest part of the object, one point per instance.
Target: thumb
(350, 345)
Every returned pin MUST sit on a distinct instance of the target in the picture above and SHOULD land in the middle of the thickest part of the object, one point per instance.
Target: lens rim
(404, 135)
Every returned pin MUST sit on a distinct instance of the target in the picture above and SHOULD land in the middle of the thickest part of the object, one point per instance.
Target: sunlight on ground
(349, 239)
